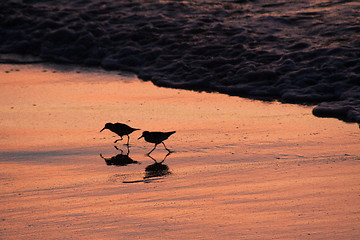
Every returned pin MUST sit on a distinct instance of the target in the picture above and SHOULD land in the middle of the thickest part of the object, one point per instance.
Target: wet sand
(240, 169)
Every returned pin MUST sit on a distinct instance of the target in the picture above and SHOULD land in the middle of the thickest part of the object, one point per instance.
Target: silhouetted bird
(120, 129)
(157, 138)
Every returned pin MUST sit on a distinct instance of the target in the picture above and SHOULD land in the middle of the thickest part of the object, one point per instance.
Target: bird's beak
(102, 129)
(141, 136)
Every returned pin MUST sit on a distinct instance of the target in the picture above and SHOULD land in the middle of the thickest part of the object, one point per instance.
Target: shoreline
(325, 109)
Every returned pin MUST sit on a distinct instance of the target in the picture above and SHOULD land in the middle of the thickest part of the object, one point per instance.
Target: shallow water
(293, 51)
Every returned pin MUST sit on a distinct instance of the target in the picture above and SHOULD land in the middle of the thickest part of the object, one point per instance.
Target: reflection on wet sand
(120, 159)
(157, 169)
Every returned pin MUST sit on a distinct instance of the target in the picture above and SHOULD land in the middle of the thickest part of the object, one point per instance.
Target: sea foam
(295, 52)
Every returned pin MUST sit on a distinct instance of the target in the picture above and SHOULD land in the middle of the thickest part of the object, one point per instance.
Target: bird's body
(157, 138)
(120, 129)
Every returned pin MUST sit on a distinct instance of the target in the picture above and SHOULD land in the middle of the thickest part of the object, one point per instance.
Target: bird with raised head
(120, 129)
(157, 138)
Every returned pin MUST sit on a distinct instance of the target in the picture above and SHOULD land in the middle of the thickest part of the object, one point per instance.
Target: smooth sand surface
(240, 169)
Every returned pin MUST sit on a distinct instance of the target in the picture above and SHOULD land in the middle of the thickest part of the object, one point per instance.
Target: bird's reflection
(157, 169)
(120, 159)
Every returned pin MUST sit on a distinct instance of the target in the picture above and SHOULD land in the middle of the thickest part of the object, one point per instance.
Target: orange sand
(241, 169)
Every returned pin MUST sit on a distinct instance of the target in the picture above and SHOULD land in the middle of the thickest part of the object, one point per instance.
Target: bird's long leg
(166, 147)
(128, 140)
(152, 149)
(118, 139)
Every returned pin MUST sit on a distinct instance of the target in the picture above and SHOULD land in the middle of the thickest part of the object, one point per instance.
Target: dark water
(304, 52)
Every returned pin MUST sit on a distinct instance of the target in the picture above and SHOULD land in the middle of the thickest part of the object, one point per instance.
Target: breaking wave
(305, 52)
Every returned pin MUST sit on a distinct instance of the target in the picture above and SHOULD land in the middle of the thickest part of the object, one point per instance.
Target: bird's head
(107, 126)
(144, 134)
